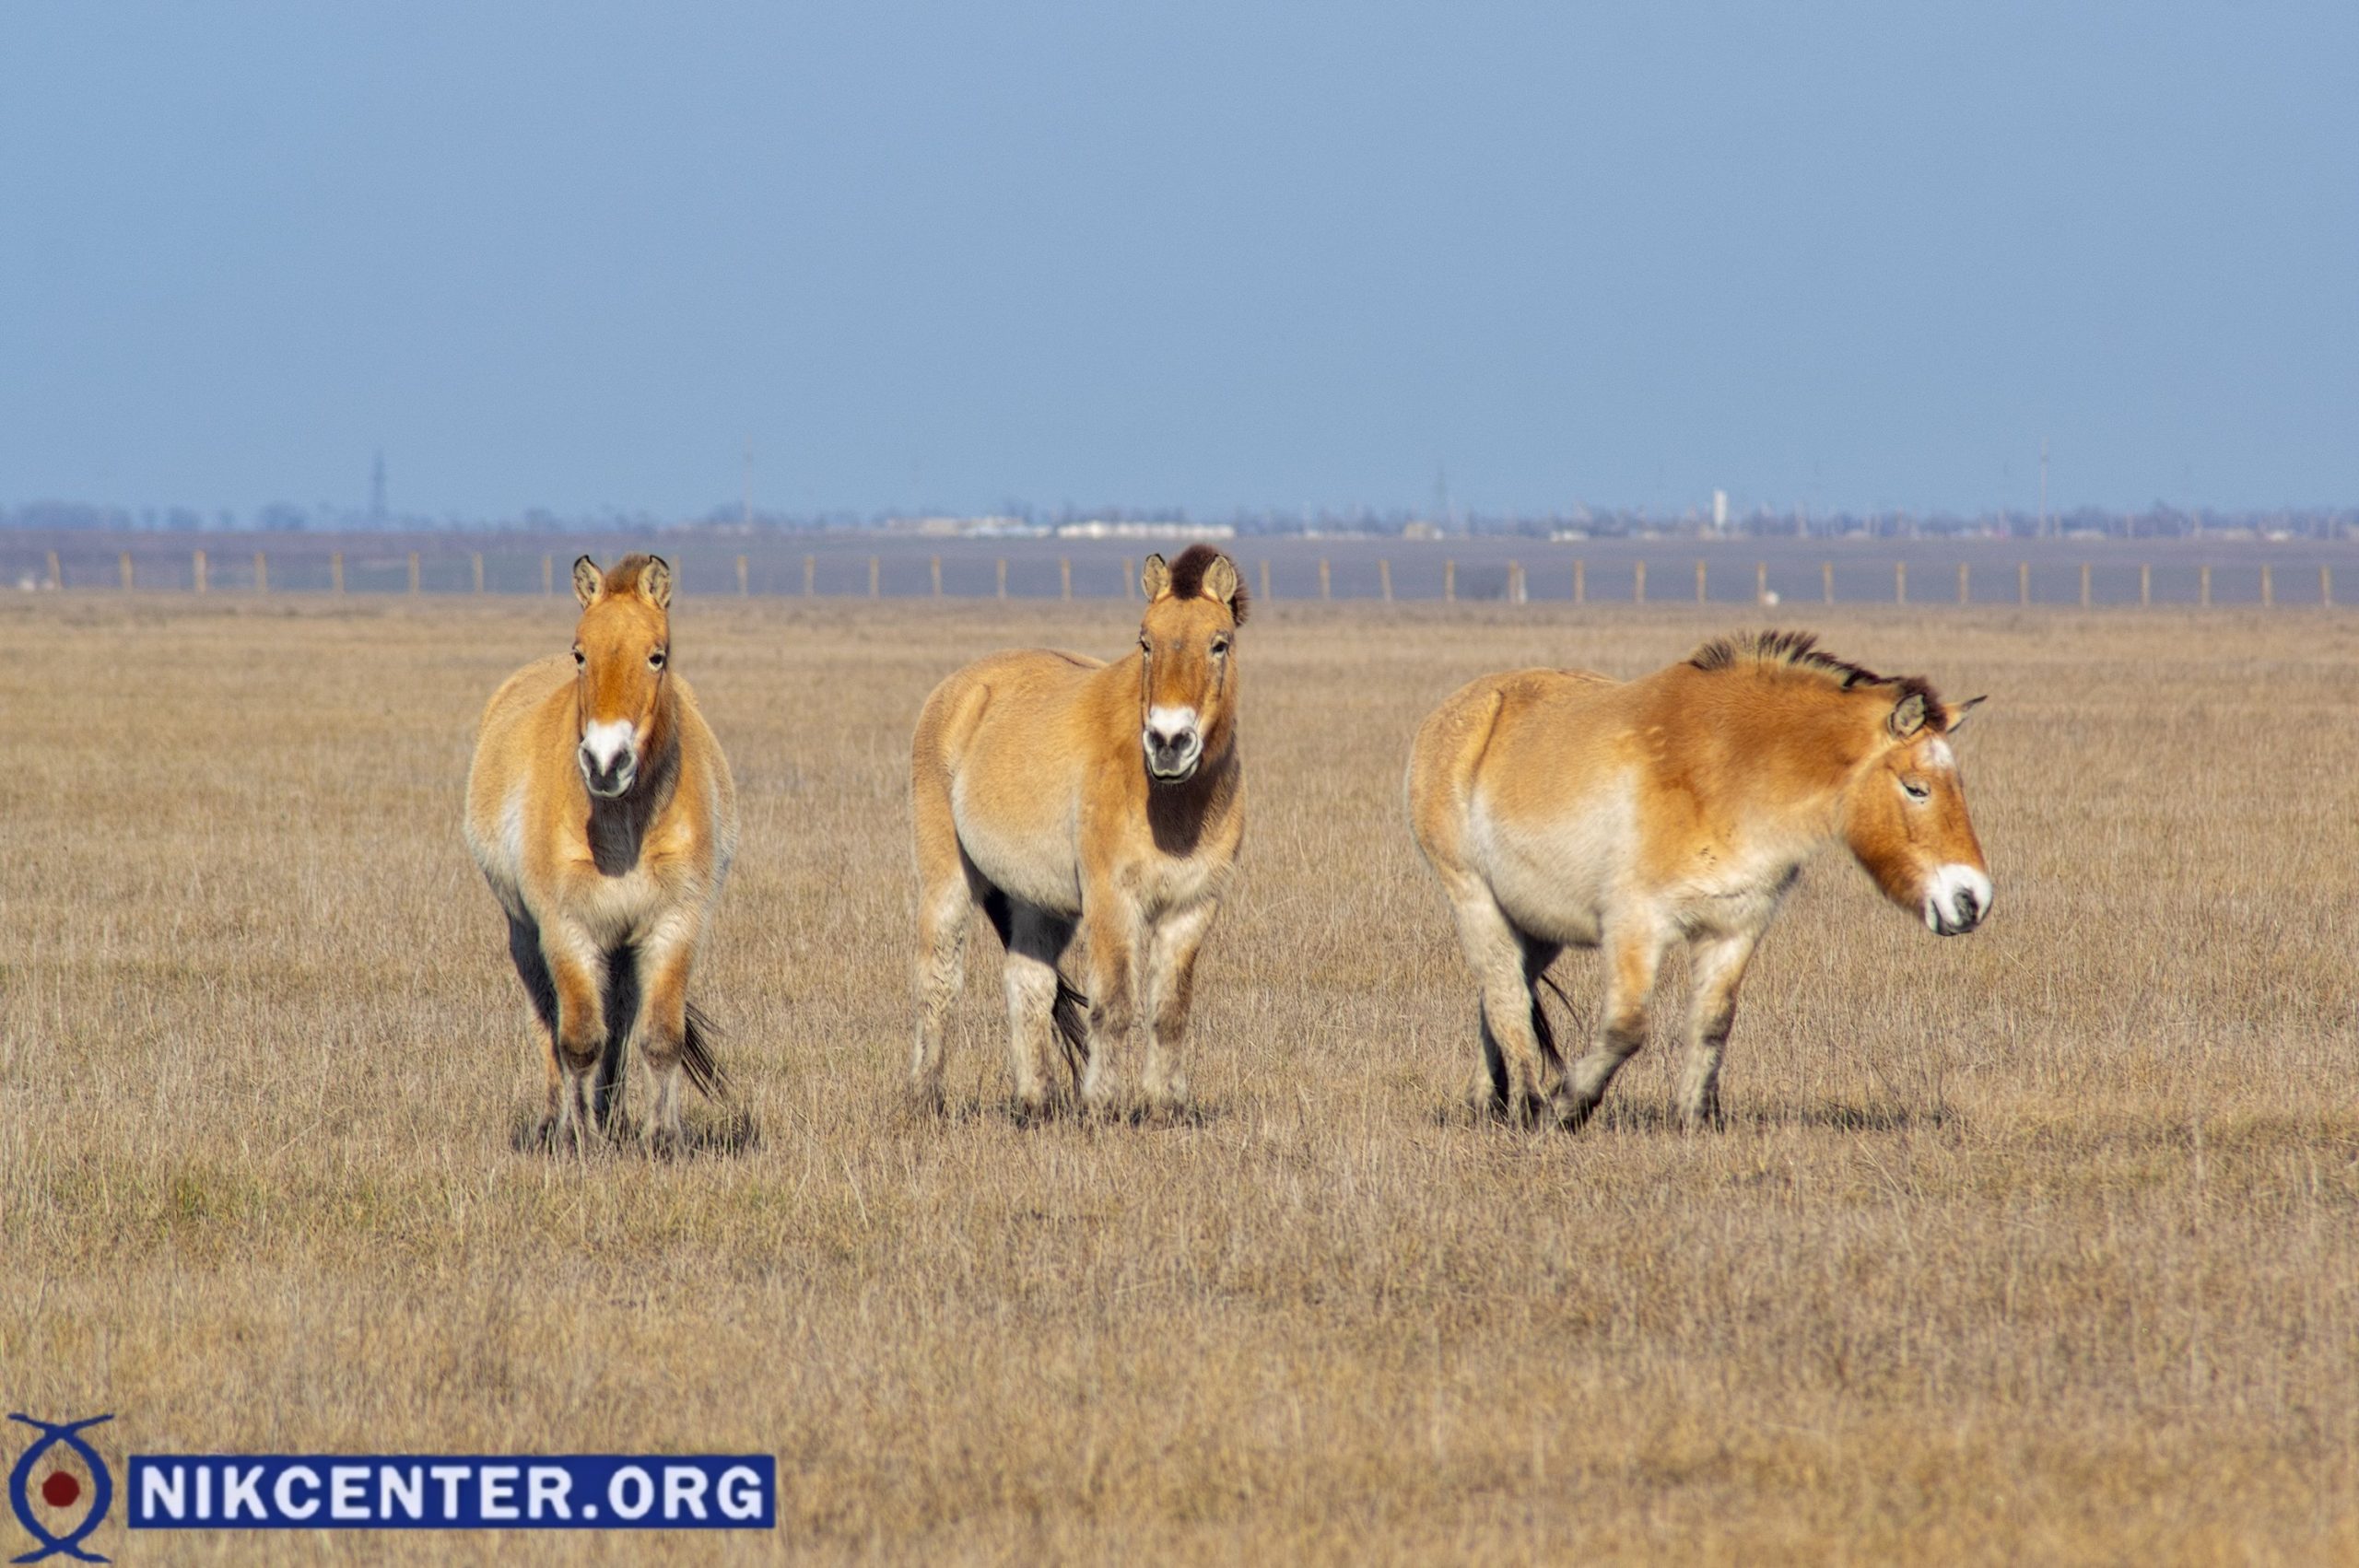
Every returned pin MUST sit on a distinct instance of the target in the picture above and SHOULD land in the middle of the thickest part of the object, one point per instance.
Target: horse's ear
(1907, 716)
(587, 580)
(1957, 716)
(1222, 583)
(655, 581)
(1155, 578)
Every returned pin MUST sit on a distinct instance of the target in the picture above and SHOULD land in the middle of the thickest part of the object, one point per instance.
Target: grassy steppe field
(2037, 1245)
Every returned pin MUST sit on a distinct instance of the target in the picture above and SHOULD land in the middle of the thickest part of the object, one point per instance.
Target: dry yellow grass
(2038, 1244)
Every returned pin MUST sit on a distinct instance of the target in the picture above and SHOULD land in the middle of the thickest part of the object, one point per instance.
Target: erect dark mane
(623, 576)
(1188, 578)
(1799, 650)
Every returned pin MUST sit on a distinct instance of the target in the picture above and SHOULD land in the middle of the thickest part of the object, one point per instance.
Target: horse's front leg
(1113, 930)
(1170, 991)
(1717, 964)
(665, 955)
(577, 964)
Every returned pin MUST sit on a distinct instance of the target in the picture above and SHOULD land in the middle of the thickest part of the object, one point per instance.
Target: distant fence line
(1513, 585)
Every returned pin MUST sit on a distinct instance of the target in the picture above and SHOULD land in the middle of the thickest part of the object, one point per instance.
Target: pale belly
(1556, 880)
(1030, 855)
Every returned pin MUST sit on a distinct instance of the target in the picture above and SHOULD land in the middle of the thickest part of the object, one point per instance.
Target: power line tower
(377, 491)
(2042, 487)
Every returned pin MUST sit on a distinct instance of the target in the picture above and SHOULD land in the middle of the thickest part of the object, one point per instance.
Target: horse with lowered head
(1561, 809)
(603, 813)
(1061, 792)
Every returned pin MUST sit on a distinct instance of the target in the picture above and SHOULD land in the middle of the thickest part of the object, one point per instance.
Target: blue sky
(1201, 254)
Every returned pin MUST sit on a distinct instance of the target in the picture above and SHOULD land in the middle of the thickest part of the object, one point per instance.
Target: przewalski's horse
(1056, 791)
(1565, 809)
(602, 814)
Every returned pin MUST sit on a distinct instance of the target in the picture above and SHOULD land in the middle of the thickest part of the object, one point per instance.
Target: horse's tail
(696, 1055)
(622, 1010)
(1070, 1013)
(1541, 1029)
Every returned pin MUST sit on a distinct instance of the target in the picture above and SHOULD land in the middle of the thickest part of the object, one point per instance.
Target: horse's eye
(578, 659)
(655, 660)
(1220, 646)
(1916, 791)
(1145, 646)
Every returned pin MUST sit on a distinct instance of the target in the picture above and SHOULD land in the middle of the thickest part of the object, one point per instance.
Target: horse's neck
(1179, 816)
(618, 827)
(1804, 765)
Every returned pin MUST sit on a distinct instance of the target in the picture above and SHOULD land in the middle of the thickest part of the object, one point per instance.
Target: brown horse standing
(1057, 791)
(1563, 808)
(602, 814)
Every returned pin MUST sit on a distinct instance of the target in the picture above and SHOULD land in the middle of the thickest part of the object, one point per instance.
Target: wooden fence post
(2326, 583)
(548, 572)
(1580, 580)
(1384, 578)
(1827, 580)
(2268, 587)
(196, 565)
(1323, 591)
(126, 571)
(744, 585)
(875, 577)
(261, 572)
(934, 567)
(2023, 582)
(1900, 582)
(1638, 583)
(1265, 577)
(810, 576)
(2085, 601)
(56, 573)
(1003, 577)
(476, 562)
(1699, 581)
(1964, 594)
(412, 571)
(1761, 582)
(1516, 595)
(2203, 585)
(1448, 582)
(1064, 576)
(2145, 584)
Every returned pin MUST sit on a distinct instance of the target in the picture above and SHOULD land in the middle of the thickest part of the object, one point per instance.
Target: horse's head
(620, 648)
(1188, 660)
(1905, 816)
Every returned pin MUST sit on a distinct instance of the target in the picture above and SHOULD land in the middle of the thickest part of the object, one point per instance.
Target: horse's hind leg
(1633, 954)
(1717, 966)
(1036, 939)
(1521, 1077)
(946, 895)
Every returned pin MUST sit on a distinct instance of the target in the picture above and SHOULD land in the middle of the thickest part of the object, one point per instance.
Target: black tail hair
(696, 1055)
(1070, 1012)
(1541, 1029)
